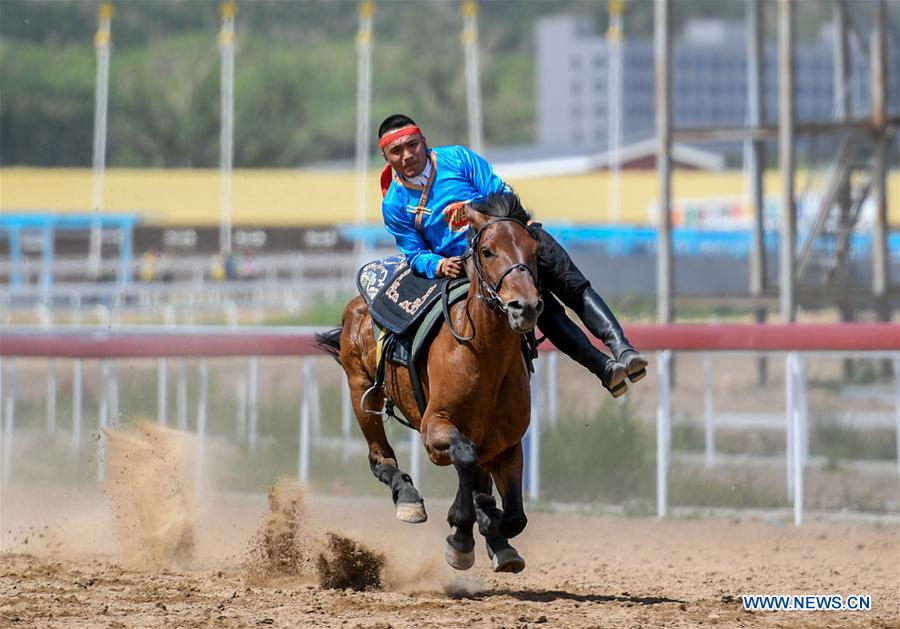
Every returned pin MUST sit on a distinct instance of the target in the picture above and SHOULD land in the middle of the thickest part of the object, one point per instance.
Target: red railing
(219, 342)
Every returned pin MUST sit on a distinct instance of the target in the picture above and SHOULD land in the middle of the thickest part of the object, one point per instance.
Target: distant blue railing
(47, 224)
(619, 240)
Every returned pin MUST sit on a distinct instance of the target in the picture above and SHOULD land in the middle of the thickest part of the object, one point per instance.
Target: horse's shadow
(547, 596)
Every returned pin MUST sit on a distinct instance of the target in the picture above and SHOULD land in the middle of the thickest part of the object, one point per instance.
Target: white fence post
(162, 393)
(182, 394)
(415, 453)
(803, 408)
(534, 437)
(10, 419)
(709, 410)
(51, 397)
(201, 423)
(897, 435)
(315, 401)
(113, 393)
(796, 420)
(346, 418)
(253, 365)
(789, 398)
(552, 388)
(46, 319)
(103, 420)
(663, 431)
(162, 411)
(305, 412)
(241, 419)
(77, 387)
(77, 384)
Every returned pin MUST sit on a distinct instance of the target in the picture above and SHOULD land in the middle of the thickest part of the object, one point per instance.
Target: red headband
(399, 133)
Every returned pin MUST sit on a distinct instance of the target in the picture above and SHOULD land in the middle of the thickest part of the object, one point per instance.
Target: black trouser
(568, 337)
(557, 271)
(560, 277)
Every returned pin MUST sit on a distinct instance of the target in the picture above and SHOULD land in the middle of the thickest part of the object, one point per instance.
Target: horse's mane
(503, 204)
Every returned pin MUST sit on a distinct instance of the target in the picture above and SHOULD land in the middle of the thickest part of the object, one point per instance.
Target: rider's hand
(450, 267)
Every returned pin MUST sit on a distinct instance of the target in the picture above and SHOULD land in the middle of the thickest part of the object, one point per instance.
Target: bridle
(492, 299)
(488, 292)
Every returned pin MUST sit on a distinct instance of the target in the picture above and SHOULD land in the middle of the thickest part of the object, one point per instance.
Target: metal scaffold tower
(858, 166)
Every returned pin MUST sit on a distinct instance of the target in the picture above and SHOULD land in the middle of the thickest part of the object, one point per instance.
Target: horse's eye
(487, 253)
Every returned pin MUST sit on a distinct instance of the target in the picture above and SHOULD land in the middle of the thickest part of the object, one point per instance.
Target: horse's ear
(476, 218)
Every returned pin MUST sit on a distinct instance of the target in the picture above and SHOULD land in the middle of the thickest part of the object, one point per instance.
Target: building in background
(709, 81)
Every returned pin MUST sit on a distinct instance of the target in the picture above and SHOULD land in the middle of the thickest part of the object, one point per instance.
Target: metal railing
(795, 343)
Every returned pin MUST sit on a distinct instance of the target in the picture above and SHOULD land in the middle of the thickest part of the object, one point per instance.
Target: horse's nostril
(540, 307)
(515, 305)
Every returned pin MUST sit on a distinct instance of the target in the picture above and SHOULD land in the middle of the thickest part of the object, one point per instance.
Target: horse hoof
(459, 560)
(507, 560)
(412, 512)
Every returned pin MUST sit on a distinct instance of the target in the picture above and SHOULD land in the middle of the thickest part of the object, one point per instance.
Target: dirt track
(582, 571)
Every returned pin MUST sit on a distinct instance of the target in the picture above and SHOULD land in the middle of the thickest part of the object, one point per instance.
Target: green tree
(164, 104)
(46, 105)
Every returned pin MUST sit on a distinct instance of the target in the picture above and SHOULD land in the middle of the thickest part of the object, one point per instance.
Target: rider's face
(407, 155)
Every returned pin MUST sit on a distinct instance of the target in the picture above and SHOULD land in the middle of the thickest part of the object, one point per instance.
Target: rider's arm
(409, 240)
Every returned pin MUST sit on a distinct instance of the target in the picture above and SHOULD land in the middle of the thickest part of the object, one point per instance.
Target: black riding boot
(569, 339)
(600, 320)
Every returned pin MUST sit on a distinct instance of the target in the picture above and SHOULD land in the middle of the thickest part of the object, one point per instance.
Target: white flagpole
(473, 84)
(614, 107)
(363, 115)
(226, 139)
(101, 93)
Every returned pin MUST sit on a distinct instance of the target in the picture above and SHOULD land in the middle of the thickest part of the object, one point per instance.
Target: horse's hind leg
(506, 470)
(446, 444)
(504, 558)
(382, 460)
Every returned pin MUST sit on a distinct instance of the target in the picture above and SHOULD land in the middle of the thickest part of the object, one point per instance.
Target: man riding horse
(425, 193)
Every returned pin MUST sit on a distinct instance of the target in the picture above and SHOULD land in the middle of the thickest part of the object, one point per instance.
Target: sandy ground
(144, 550)
(583, 571)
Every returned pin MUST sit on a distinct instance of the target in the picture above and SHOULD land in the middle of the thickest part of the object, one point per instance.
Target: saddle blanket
(397, 297)
(404, 326)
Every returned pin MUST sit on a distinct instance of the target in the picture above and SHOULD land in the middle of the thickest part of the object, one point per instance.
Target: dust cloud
(147, 488)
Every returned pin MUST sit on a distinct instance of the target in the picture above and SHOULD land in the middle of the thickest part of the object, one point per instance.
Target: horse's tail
(330, 342)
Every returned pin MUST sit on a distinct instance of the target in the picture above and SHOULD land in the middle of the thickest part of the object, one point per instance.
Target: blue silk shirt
(437, 229)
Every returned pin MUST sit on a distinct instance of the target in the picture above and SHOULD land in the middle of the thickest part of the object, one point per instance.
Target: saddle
(407, 311)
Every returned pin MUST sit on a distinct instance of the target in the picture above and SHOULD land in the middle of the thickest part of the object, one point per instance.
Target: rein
(492, 300)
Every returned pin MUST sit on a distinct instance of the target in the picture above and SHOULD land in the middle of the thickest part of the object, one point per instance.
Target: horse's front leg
(507, 472)
(504, 558)
(445, 444)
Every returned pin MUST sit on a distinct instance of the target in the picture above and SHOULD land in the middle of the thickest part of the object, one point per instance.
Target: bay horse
(476, 383)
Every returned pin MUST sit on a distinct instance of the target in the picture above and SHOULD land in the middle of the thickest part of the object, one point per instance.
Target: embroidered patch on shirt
(455, 215)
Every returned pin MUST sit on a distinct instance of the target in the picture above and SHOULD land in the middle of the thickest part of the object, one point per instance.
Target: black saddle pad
(404, 299)
(372, 277)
